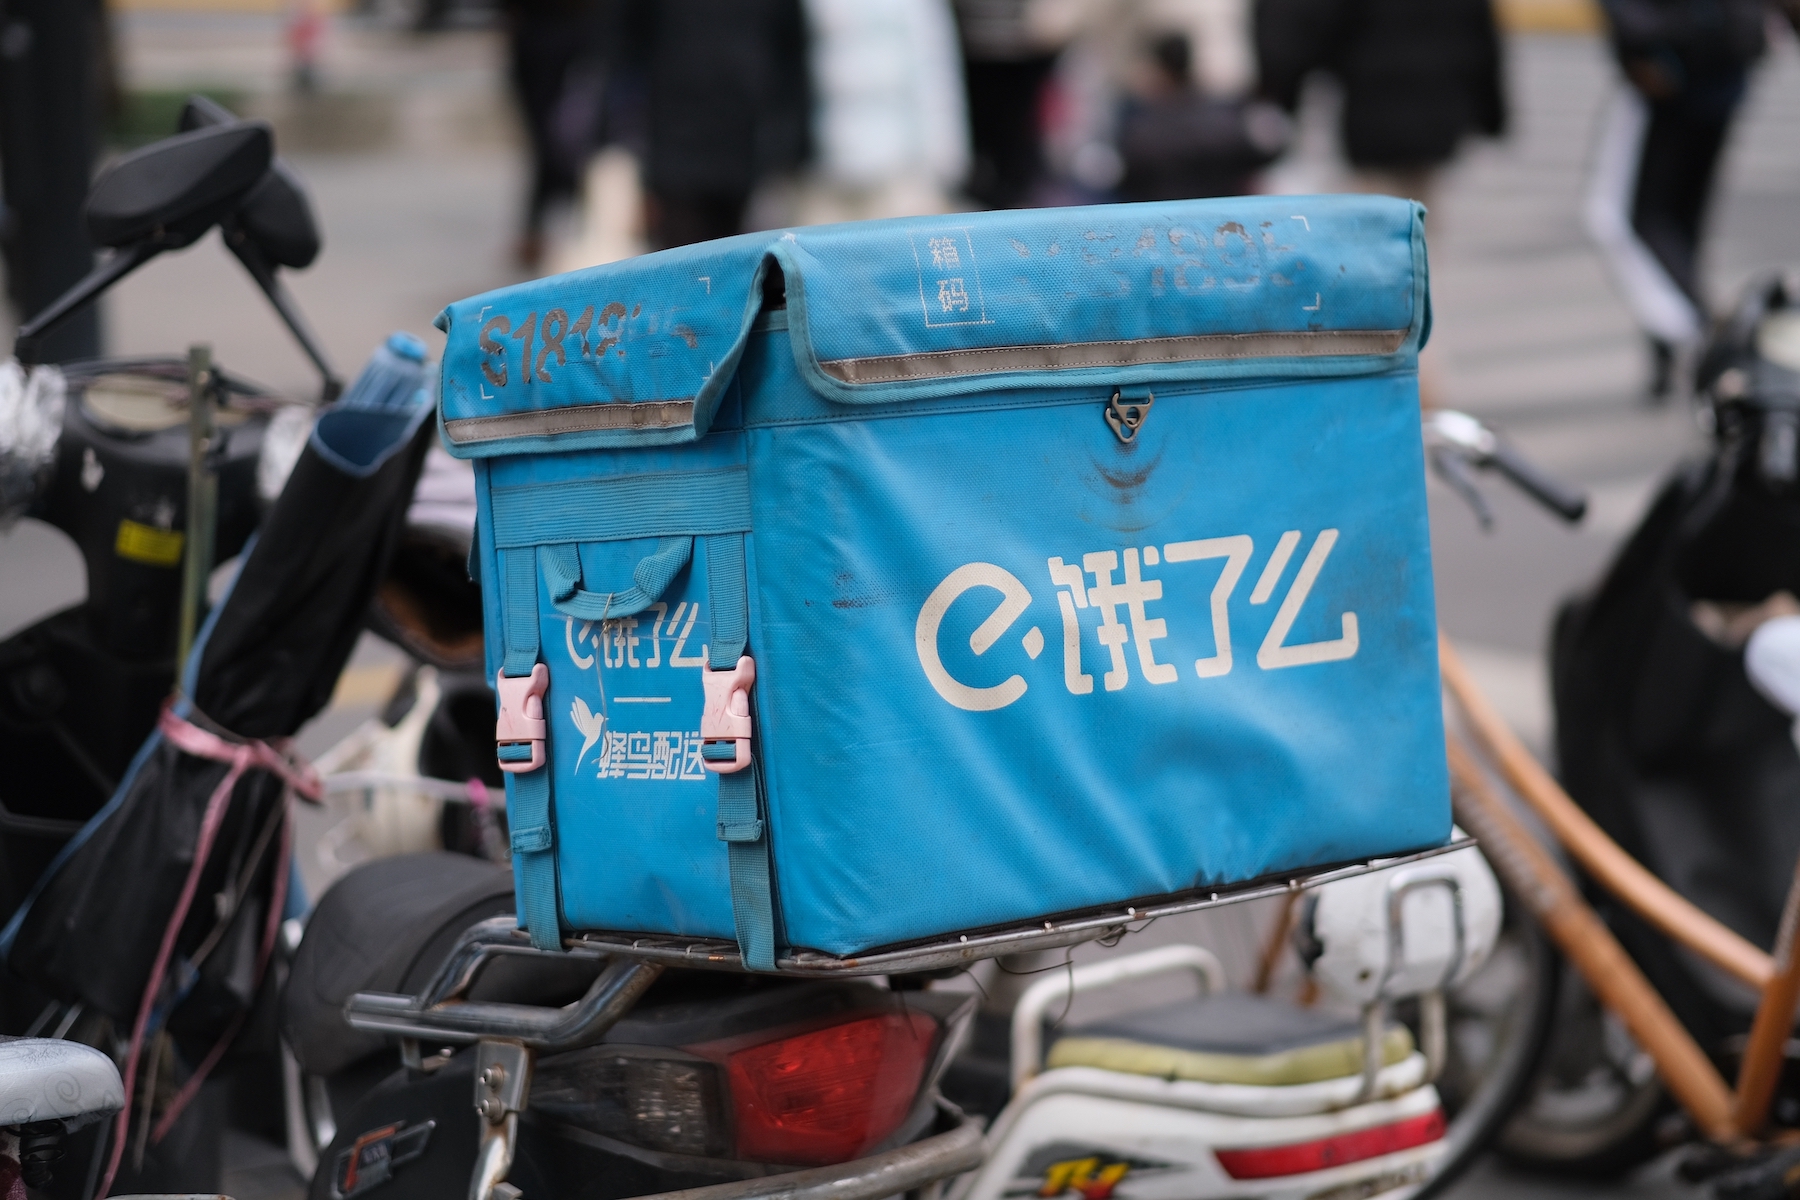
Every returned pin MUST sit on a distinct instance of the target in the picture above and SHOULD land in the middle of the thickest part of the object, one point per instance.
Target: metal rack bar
(439, 1013)
(610, 997)
(892, 1173)
(967, 949)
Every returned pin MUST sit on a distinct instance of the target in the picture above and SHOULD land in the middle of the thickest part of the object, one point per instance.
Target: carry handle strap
(561, 565)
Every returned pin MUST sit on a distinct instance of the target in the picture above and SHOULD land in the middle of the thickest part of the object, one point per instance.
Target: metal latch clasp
(725, 722)
(521, 722)
(1127, 416)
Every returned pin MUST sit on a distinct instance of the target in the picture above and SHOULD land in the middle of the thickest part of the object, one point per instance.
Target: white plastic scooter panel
(1145, 1150)
(1238, 1099)
(1448, 912)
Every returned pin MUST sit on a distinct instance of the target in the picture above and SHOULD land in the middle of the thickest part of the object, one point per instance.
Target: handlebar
(1458, 441)
(1570, 505)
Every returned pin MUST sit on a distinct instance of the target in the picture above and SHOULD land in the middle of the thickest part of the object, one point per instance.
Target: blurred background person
(1686, 67)
(1006, 61)
(1417, 76)
(1178, 143)
(547, 39)
(890, 131)
(1168, 69)
(727, 89)
(305, 35)
(877, 128)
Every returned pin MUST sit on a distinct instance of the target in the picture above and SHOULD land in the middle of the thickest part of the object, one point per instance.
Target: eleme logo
(1125, 618)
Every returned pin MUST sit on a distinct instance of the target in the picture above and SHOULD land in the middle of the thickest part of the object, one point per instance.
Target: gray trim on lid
(548, 422)
(939, 364)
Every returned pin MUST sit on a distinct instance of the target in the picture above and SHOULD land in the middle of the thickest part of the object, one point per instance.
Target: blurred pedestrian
(890, 131)
(305, 33)
(728, 106)
(1005, 64)
(1159, 74)
(548, 39)
(1179, 143)
(1417, 76)
(1686, 65)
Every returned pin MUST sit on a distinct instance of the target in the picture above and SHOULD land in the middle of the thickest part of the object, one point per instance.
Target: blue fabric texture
(561, 565)
(1008, 664)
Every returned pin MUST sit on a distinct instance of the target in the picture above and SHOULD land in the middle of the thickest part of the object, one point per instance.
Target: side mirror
(272, 227)
(221, 170)
(276, 215)
(162, 197)
(172, 191)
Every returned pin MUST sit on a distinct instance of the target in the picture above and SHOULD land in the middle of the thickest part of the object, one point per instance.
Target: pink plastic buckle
(522, 715)
(726, 717)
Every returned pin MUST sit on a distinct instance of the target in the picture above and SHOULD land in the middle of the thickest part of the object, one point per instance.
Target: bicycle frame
(1724, 1114)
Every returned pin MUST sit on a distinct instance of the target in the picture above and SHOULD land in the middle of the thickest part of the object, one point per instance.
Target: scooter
(80, 689)
(605, 1072)
(1240, 1094)
(49, 1089)
(1674, 732)
(585, 1074)
(1229, 1095)
(84, 687)
(1667, 739)
(595, 1073)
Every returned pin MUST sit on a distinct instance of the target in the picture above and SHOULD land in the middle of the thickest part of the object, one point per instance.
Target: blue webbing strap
(520, 567)
(528, 796)
(650, 579)
(741, 825)
(612, 508)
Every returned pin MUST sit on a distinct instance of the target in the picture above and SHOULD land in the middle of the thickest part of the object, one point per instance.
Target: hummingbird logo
(589, 724)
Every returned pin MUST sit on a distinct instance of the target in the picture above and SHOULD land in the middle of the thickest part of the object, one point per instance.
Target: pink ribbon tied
(277, 757)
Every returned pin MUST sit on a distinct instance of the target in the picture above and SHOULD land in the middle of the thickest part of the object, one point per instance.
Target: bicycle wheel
(1498, 1022)
(1594, 1102)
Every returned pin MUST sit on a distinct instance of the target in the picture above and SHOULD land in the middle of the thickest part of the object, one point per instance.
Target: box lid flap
(640, 352)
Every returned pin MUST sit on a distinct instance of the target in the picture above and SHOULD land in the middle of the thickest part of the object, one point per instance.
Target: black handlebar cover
(1570, 505)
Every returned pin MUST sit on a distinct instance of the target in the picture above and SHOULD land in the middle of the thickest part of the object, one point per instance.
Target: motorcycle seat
(44, 1079)
(1232, 1038)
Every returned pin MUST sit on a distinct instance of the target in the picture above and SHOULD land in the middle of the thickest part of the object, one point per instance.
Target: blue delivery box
(851, 586)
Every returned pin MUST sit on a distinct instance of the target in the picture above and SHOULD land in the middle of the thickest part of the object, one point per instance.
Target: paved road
(415, 181)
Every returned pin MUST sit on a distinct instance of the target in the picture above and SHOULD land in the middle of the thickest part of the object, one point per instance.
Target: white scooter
(1239, 1095)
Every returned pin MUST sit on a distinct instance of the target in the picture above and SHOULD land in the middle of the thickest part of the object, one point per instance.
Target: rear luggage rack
(441, 1015)
(965, 950)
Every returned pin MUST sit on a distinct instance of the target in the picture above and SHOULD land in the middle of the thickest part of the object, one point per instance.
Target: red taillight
(827, 1095)
(1264, 1162)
